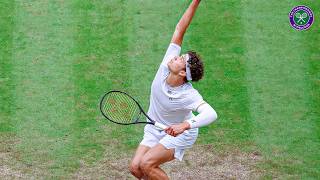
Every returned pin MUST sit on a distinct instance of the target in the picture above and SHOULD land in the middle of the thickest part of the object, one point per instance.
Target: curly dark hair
(196, 66)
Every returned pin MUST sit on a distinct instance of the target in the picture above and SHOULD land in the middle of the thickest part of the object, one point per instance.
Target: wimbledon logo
(301, 17)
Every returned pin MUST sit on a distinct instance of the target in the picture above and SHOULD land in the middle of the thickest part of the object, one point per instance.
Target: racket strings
(121, 108)
(112, 111)
(127, 109)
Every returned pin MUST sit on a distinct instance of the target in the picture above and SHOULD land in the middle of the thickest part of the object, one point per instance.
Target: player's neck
(174, 80)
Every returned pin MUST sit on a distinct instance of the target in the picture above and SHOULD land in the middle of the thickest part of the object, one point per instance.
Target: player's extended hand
(177, 129)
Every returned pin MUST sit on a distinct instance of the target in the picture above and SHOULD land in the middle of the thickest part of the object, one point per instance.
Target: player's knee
(145, 166)
(134, 169)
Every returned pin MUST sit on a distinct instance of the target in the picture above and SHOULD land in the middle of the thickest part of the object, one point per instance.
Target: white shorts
(152, 136)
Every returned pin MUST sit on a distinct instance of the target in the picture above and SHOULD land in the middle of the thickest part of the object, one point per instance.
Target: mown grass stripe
(278, 90)
(312, 77)
(7, 125)
(100, 65)
(312, 54)
(6, 83)
(43, 76)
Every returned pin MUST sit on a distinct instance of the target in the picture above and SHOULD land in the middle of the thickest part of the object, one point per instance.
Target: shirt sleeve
(206, 116)
(172, 51)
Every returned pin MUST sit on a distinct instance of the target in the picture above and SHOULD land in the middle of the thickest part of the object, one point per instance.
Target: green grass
(6, 83)
(280, 94)
(59, 57)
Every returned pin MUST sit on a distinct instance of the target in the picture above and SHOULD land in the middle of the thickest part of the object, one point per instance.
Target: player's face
(177, 64)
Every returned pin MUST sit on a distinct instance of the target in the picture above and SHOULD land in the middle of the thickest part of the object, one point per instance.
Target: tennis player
(172, 101)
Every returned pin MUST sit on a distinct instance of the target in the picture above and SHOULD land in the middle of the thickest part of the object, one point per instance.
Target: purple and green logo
(301, 17)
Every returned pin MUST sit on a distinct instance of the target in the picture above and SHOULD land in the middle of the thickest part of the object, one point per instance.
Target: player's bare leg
(136, 160)
(153, 158)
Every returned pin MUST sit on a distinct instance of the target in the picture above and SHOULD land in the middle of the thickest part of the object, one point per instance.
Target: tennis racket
(119, 107)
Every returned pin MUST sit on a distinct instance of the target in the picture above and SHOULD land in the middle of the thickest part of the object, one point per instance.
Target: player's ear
(183, 73)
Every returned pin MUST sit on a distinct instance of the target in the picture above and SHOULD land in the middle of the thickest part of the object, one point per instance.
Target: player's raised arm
(184, 23)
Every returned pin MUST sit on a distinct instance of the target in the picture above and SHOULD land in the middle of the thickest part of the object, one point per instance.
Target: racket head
(119, 107)
(298, 15)
(304, 15)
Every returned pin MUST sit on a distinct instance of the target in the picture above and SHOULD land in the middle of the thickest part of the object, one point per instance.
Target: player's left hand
(177, 129)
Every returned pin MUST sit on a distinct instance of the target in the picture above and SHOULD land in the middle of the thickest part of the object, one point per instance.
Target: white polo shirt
(171, 105)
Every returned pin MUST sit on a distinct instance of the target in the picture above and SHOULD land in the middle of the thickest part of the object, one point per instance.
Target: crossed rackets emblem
(301, 17)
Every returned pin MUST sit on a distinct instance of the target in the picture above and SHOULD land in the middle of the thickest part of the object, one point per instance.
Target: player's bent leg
(153, 158)
(135, 162)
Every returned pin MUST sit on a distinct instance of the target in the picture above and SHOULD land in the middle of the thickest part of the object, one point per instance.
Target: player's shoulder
(188, 87)
(189, 90)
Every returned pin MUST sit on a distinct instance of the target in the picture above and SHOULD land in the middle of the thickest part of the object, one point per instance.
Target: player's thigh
(140, 152)
(156, 156)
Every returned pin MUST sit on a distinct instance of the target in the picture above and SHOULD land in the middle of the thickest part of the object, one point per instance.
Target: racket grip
(161, 126)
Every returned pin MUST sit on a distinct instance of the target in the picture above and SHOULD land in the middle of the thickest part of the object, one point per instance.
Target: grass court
(58, 57)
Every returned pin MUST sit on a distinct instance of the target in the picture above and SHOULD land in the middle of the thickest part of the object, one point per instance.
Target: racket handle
(161, 126)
